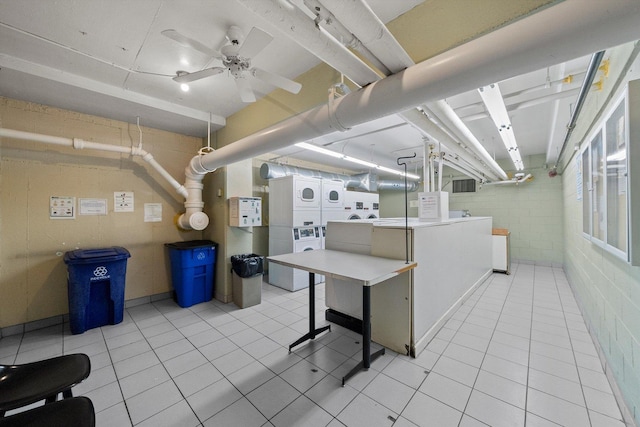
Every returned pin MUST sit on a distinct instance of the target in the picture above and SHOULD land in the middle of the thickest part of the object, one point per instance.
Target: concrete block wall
(33, 276)
(531, 211)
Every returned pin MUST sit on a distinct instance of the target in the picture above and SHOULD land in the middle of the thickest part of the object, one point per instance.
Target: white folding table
(365, 269)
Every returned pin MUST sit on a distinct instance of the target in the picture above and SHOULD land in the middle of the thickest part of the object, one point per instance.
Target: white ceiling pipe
(343, 60)
(358, 17)
(82, 144)
(511, 181)
(293, 23)
(340, 32)
(424, 124)
(453, 164)
(526, 104)
(540, 40)
(360, 20)
(450, 119)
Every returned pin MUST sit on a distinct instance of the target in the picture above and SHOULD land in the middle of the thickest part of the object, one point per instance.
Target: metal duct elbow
(396, 185)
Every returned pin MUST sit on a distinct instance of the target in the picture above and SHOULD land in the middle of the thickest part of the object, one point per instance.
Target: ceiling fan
(236, 58)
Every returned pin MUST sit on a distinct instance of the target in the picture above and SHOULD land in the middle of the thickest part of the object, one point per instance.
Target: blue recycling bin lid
(86, 256)
(192, 244)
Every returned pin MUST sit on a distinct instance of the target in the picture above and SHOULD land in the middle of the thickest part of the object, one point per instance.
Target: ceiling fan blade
(254, 43)
(191, 77)
(244, 88)
(193, 44)
(277, 80)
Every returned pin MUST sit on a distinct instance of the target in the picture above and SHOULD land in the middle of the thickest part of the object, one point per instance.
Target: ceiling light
(370, 165)
(184, 87)
(494, 103)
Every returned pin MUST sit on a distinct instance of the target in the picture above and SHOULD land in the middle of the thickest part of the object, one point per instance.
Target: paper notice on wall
(123, 201)
(152, 212)
(92, 206)
(61, 207)
(429, 206)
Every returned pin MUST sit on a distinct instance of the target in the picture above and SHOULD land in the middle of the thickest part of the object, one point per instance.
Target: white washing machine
(353, 205)
(295, 201)
(284, 240)
(371, 205)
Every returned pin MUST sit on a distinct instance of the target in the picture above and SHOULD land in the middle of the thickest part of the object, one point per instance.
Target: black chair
(72, 412)
(22, 385)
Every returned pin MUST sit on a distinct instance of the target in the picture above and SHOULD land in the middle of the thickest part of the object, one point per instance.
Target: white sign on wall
(123, 201)
(61, 207)
(152, 212)
(93, 206)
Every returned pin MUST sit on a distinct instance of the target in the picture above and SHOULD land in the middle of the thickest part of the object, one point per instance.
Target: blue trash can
(193, 271)
(96, 279)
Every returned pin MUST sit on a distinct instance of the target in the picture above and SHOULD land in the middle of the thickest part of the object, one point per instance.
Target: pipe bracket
(332, 107)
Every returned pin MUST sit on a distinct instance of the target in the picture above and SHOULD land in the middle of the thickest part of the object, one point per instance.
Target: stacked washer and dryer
(299, 208)
(359, 205)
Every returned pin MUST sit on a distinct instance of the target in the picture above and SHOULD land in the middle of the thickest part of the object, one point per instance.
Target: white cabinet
(501, 252)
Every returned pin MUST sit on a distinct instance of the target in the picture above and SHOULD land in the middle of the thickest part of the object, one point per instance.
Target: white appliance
(295, 201)
(284, 240)
(353, 205)
(332, 200)
(371, 205)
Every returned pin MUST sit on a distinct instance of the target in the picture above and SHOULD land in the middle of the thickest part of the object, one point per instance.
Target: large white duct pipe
(80, 144)
(538, 41)
(358, 17)
(366, 182)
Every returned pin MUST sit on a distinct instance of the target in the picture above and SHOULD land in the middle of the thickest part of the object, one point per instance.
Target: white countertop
(367, 269)
(413, 222)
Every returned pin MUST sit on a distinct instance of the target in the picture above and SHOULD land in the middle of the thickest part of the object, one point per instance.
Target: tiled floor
(517, 353)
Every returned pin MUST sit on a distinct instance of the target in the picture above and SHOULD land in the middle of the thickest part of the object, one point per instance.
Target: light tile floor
(517, 353)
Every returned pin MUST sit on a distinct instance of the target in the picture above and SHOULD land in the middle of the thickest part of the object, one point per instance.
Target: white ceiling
(95, 56)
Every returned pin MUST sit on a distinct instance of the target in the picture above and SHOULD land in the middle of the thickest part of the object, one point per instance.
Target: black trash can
(96, 280)
(247, 279)
(193, 272)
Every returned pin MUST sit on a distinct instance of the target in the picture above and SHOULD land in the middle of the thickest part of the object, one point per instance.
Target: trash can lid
(191, 244)
(83, 256)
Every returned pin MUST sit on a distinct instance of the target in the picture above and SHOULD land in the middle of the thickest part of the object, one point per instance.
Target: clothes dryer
(295, 201)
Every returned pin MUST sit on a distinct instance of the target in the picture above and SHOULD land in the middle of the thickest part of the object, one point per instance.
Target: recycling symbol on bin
(100, 271)
(201, 256)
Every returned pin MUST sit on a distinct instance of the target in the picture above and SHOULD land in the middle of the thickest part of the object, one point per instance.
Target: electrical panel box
(245, 211)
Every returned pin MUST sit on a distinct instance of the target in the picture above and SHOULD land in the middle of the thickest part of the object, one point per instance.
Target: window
(604, 183)
(464, 185)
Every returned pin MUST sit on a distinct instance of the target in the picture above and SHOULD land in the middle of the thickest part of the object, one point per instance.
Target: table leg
(312, 315)
(367, 357)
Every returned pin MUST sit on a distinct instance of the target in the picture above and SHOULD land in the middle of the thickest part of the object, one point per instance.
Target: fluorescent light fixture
(370, 165)
(492, 98)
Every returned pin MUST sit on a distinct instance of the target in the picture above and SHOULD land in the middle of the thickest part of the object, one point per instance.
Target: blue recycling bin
(96, 279)
(193, 271)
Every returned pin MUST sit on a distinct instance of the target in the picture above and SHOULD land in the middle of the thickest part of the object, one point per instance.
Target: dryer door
(307, 194)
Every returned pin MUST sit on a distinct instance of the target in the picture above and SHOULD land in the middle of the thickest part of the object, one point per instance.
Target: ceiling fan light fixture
(184, 87)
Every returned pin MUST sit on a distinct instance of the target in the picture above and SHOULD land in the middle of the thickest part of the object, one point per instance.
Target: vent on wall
(464, 185)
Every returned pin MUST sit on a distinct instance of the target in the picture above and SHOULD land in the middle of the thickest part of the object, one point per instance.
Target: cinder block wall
(33, 276)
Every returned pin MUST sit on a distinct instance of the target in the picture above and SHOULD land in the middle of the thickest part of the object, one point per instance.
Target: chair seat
(72, 412)
(21, 385)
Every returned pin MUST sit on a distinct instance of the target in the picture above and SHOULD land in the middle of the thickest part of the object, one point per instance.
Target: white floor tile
(425, 411)
(446, 391)
(365, 412)
(273, 396)
(493, 411)
(302, 412)
(557, 410)
(389, 392)
(240, 413)
(216, 364)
